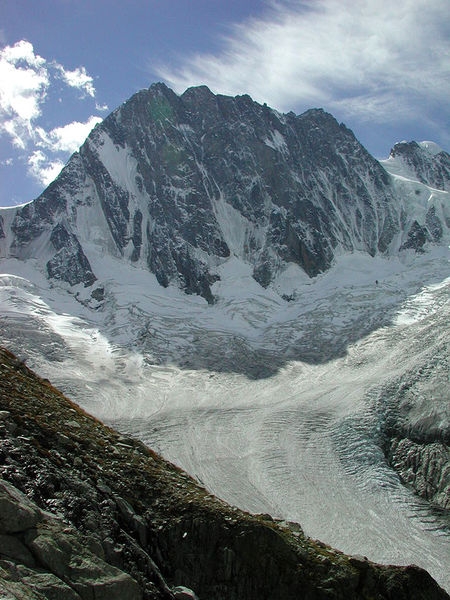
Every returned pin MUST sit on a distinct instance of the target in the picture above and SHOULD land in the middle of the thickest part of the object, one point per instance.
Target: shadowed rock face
(120, 522)
(177, 184)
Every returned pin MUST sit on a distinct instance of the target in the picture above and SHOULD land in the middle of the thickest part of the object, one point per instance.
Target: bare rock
(17, 512)
(63, 553)
(183, 593)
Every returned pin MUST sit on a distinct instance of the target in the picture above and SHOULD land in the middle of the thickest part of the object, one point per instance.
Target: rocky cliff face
(423, 466)
(42, 557)
(88, 513)
(178, 184)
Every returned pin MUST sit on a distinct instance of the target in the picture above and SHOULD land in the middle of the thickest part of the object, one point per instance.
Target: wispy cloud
(78, 78)
(101, 107)
(25, 81)
(377, 60)
(42, 168)
(69, 137)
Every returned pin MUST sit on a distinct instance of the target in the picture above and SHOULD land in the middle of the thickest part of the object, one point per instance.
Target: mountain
(424, 161)
(88, 513)
(260, 300)
(179, 184)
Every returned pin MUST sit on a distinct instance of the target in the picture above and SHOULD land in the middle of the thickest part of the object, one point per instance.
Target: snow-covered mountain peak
(257, 297)
(425, 162)
(180, 184)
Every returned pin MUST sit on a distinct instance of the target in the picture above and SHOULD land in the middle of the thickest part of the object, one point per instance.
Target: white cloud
(78, 78)
(374, 59)
(101, 107)
(23, 52)
(42, 168)
(24, 81)
(69, 137)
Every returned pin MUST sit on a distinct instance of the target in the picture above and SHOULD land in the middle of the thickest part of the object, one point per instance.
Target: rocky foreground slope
(88, 513)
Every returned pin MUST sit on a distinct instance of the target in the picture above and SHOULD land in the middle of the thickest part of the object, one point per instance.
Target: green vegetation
(159, 109)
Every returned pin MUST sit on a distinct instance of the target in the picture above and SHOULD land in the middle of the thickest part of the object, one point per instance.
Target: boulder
(17, 512)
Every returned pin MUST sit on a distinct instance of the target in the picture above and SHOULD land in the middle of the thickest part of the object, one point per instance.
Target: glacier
(298, 439)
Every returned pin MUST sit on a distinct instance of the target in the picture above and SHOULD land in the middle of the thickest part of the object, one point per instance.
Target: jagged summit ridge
(179, 184)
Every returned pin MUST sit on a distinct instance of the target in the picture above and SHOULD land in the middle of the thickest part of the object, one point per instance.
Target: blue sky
(381, 67)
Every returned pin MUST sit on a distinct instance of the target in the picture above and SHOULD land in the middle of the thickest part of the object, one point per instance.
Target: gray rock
(183, 593)
(425, 467)
(17, 512)
(63, 554)
(47, 584)
(13, 549)
(137, 522)
(69, 263)
(16, 590)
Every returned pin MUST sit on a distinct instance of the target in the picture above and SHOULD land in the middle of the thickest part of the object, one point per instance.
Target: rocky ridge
(88, 513)
(423, 466)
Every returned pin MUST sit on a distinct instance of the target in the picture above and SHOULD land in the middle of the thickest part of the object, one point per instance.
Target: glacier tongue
(273, 405)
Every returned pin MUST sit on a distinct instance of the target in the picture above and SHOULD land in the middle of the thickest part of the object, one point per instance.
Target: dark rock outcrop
(417, 237)
(69, 263)
(104, 516)
(423, 466)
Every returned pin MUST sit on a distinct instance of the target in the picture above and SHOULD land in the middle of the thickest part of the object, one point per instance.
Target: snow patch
(431, 147)
(290, 280)
(119, 162)
(277, 142)
(236, 229)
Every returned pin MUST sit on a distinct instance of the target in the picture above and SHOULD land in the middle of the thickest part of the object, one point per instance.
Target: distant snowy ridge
(424, 162)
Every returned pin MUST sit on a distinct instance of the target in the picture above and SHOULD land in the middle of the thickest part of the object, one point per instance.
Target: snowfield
(275, 406)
